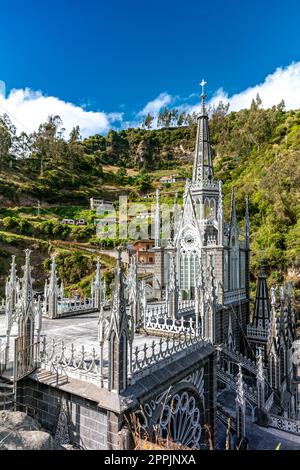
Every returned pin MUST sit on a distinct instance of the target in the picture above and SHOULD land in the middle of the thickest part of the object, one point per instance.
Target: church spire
(96, 286)
(11, 286)
(27, 290)
(52, 290)
(27, 310)
(133, 294)
(118, 334)
(260, 381)
(172, 289)
(261, 315)
(157, 221)
(247, 224)
(203, 169)
(220, 216)
(240, 404)
(234, 229)
(233, 209)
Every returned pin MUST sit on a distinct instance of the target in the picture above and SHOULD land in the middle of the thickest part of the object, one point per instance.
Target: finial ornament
(273, 295)
(202, 84)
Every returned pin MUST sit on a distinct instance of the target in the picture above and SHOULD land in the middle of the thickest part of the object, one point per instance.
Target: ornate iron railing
(162, 323)
(86, 365)
(81, 362)
(150, 355)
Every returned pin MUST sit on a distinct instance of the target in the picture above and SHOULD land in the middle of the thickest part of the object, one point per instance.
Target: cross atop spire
(202, 84)
(203, 96)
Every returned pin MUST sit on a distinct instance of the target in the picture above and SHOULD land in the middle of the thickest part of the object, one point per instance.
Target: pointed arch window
(212, 208)
(206, 209)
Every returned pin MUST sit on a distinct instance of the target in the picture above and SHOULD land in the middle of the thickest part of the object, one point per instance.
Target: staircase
(7, 397)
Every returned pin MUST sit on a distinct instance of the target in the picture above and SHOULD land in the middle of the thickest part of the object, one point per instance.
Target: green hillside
(257, 151)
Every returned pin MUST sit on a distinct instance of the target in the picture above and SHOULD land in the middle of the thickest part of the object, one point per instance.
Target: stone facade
(96, 418)
(87, 423)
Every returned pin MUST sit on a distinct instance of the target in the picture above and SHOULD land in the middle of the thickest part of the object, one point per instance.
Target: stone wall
(87, 422)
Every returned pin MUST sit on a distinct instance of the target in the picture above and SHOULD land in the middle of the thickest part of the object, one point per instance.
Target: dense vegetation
(256, 150)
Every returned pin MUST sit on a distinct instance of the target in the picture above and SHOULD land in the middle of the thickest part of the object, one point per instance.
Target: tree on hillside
(191, 119)
(181, 119)
(117, 148)
(164, 118)
(48, 142)
(75, 149)
(7, 136)
(94, 143)
(22, 146)
(148, 121)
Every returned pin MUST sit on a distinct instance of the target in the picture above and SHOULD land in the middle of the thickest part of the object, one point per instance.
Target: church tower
(203, 237)
(201, 230)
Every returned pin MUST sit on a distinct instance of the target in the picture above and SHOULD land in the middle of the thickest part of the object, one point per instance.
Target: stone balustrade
(284, 424)
(234, 296)
(256, 333)
(74, 305)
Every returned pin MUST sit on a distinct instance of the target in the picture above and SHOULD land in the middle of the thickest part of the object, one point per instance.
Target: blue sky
(113, 57)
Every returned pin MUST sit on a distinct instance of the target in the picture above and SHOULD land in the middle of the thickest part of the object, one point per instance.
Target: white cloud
(283, 84)
(2, 88)
(153, 107)
(28, 109)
